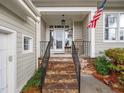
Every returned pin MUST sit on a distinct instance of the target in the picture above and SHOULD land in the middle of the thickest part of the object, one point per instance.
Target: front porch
(63, 27)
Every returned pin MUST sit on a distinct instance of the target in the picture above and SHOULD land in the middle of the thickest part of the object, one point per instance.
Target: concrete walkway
(91, 85)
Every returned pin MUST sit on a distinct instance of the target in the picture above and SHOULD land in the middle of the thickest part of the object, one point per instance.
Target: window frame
(118, 27)
(30, 43)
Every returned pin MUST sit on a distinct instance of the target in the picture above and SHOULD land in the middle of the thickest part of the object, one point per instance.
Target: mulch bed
(111, 81)
(32, 90)
(87, 68)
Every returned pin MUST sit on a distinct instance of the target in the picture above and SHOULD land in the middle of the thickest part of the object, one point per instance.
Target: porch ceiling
(50, 17)
(76, 3)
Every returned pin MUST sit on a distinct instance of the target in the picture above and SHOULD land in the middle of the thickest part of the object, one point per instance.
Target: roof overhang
(76, 3)
(66, 9)
(22, 8)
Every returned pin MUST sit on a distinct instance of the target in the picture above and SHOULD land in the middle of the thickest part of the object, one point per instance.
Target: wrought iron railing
(43, 46)
(83, 48)
(76, 63)
(44, 65)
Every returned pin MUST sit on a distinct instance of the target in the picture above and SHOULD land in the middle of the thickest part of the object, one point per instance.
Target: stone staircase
(60, 76)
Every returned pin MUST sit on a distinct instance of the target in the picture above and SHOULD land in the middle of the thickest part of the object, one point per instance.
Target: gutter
(32, 7)
(30, 11)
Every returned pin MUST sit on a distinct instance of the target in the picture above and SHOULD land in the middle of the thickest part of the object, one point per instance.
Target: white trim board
(11, 72)
(92, 37)
(66, 9)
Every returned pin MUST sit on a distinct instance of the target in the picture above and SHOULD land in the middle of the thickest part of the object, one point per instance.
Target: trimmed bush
(102, 65)
(116, 54)
(117, 57)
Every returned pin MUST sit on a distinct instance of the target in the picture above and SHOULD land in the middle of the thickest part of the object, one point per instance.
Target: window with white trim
(114, 27)
(27, 44)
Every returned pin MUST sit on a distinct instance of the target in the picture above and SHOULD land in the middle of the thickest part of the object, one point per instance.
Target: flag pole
(101, 4)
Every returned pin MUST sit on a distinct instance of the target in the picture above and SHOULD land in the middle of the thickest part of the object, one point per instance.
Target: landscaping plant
(34, 82)
(117, 59)
(102, 65)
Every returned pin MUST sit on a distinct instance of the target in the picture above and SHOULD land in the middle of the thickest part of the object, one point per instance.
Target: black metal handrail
(83, 48)
(76, 63)
(44, 65)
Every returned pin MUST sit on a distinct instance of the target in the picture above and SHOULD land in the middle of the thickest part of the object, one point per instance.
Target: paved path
(91, 85)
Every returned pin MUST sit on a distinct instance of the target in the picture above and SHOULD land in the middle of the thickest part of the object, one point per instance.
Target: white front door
(58, 41)
(3, 63)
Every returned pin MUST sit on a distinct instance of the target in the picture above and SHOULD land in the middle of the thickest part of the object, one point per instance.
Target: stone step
(61, 68)
(56, 77)
(61, 59)
(60, 73)
(60, 65)
(60, 86)
(57, 62)
(64, 80)
(60, 91)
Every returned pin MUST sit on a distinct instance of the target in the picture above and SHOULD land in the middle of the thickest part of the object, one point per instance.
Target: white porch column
(38, 39)
(73, 31)
(92, 35)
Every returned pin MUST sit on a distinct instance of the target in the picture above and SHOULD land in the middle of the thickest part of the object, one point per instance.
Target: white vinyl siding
(43, 30)
(25, 62)
(85, 31)
(77, 31)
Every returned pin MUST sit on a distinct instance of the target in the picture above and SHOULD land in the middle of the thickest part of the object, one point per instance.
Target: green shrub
(116, 54)
(35, 81)
(102, 65)
(121, 79)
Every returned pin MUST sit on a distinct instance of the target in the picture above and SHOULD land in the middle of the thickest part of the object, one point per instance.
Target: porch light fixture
(63, 20)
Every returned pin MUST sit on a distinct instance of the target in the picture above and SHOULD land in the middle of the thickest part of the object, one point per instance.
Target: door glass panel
(59, 39)
(121, 20)
(121, 34)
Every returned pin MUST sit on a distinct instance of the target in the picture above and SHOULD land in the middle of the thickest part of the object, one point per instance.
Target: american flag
(98, 13)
